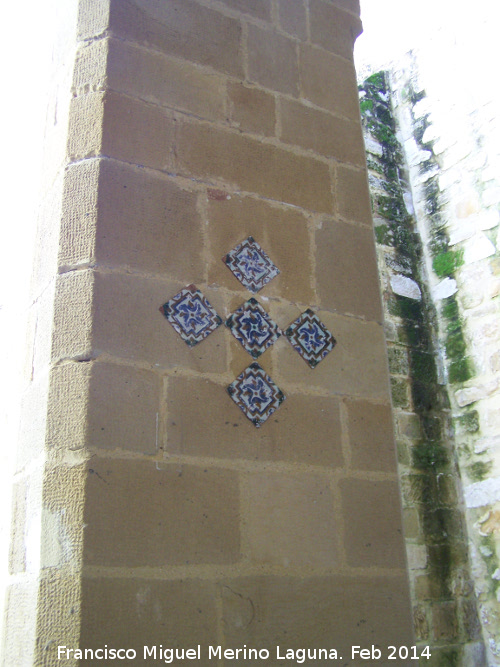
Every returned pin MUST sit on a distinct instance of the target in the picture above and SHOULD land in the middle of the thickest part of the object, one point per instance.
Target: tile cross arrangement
(253, 327)
(192, 316)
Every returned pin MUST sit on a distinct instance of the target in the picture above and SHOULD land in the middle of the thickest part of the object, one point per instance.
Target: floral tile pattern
(253, 327)
(191, 315)
(251, 265)
(310, 338)
(256, 394)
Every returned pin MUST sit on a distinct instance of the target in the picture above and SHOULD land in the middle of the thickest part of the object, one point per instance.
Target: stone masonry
(148, 509)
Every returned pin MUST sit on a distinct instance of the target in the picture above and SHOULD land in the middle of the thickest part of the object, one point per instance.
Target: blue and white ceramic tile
(253, 327)
(251, 265)
(191, 315)
(256, 394)
(310, 338)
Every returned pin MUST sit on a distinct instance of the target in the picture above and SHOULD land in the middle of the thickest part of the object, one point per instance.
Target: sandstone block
(445, 622)
(207, 152)
(251, 109)
(348, 5)
(289, 520)
(282, 233)
(293, 18)
(123, 408)
(328, 81)
(148, 612)
(204, 421)
(86, 126)
(316, 612)
(321, 132)
(141, 514)
(373, 533)
(346, 270)
(136, 132)
(128, 324)
(79, 214)
(333, 29)
(93, 18)
(181, 28)
(371, 436)
(17, 551)
(261, 9)
(91, 63)
(73, 316)
(68, 406)
(355, 367)
(353, 196)
(155, 78)
(147, 223)
(272, 61)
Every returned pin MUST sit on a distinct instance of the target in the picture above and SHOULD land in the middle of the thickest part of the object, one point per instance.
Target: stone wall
(164, 515)
(442, 206)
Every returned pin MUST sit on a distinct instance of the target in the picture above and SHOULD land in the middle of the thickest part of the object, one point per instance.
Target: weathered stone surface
(289, 520)
(148, 612)
(203, 421)
(181, 28)
(272, 61)
(321, 132)
(371, 436)
(353, 196)
(139, 513)
(345, 284)
(328, 81)
(128, 324)
(123, 406)
(254, 166)
(292, 17)
(372, 524)
(320, 612)
(158, 79)
(251, 109)
(333, 29)
(283, 234)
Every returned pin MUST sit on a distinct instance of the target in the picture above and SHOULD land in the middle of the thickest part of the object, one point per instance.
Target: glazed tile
(191, 315)
(253, 327)
(255, 393)
(309, 336)
(251, 265)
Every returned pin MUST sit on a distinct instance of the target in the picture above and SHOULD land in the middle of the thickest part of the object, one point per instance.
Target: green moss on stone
(383, 235)
(366, 105)
(423, 367)
(399, 392)
(459, 370)
(478, 470)
(429, 456)
(455, 345)
(470, 421)
(446, 263)
(377, 80)
(450, 309)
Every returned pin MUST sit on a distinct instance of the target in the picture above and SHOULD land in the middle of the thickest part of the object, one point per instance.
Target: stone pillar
(169, 515)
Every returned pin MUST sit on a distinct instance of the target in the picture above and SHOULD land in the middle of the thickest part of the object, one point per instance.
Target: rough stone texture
(293, 17)
(282, 233)
(251, 109)
(327, 80)
(141, 514)
(333, 609)
(305, 429)
(209, 153)
(156, 512)
(338, 247)
(289, 520)
(181, 28)
(272, 61)
(333, 29)
(321, 132)
(167, 613)
(372, 532)
(371, 436)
